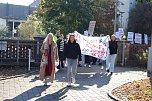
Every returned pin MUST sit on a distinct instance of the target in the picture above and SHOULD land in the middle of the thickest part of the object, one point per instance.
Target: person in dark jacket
(113, 47)
(60, 43)
(72, 54)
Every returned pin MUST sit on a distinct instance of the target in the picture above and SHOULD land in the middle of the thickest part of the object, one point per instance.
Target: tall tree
(140, 19)
(71, 15)
(104, 15)
(66, 15)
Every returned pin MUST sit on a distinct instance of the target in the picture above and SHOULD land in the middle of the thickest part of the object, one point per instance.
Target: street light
(116, 9)
(121, 13)
(115, 20)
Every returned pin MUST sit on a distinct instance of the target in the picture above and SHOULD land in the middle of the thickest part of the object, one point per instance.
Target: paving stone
(93, 84)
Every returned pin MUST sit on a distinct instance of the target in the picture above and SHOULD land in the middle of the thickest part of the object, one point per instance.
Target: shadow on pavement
(59, 95)
(29, 94)
(86, 77)
(34, 79)
(97, 79)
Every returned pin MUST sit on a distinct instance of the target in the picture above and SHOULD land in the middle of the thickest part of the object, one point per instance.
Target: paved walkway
(93, 84)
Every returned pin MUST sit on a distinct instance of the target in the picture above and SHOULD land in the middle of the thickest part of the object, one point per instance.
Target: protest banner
(138, 38)
(130, 36)
(91, 27)
(146, 38)
(93, 46)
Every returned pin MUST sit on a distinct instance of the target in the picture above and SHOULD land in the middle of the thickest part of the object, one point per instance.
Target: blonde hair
(46, 40)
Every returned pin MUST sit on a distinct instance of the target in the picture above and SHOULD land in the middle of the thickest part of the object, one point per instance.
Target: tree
(3, 31)
(30, 28)
(140, 20)
(71, 15)
(104, 15)
(66, 15)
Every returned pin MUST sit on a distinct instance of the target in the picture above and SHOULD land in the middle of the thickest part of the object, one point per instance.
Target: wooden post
(123, 52)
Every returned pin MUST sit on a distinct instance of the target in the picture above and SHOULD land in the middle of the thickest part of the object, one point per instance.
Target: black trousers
(94, 60)
(61, 64)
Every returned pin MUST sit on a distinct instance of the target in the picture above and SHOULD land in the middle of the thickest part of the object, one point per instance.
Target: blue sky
(17, 2)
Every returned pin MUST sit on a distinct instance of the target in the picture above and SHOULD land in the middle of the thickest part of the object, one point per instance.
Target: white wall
(128, 4)
(2, 22)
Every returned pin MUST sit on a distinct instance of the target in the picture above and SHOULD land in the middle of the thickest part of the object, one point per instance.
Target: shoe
(51, 81)
(85, 65)
(45, 84)
(102, 67)
(93, 63)
(73, 80)
(108, 70)
(69, 84)
(89, 66)
(111, 73)
(100, 64)
(80, 65)
(58, 67)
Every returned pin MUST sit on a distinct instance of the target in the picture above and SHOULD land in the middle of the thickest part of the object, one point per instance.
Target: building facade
(123, 12)
(12, 15)
(124, 8)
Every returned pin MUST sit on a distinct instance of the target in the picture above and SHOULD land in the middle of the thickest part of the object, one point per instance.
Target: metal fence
(15, 52)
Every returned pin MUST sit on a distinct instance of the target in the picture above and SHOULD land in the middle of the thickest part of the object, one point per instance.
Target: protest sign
(120, 33)
(146, 38)
(138, 38)
(86, 33)
(93, 46)
(130, 36)
(91, 27)
(117, 35)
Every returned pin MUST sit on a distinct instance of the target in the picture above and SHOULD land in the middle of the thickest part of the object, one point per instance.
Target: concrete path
(93, 84)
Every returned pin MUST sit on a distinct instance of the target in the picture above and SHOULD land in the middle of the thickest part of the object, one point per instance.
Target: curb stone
(113, 97)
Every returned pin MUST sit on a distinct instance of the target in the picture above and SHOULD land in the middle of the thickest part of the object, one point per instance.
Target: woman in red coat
(49, 59)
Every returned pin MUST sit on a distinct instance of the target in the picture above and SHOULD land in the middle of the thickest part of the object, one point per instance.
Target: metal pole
(13, 30)
(123, 53)
(38, 50)
(115, 21)
(29, 66)
(17, 51)
(121, 20)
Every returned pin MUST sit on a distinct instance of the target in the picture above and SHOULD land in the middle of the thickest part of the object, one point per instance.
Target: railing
(15, 52)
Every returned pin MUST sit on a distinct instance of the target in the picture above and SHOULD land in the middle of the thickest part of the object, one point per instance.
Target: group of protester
(58, 51)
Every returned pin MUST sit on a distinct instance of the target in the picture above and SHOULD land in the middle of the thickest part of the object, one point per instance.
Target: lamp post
(115, 20)
(121, 13)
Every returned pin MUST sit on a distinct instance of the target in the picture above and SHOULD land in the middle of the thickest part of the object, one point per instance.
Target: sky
(17, 2)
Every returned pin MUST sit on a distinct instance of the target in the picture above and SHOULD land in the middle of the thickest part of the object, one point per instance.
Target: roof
(17, 12)
(35, 3)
